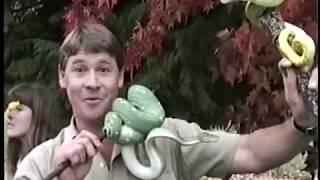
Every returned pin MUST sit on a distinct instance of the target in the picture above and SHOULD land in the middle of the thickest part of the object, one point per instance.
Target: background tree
(32, 34)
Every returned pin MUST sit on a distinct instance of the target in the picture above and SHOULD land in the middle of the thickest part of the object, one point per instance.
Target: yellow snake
(292, 42)
(295, 45)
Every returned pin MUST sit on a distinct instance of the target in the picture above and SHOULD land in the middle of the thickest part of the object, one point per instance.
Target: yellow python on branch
(292, 42)
(295, 45)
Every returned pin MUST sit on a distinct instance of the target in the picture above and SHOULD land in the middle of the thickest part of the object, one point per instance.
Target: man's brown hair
(90, 38)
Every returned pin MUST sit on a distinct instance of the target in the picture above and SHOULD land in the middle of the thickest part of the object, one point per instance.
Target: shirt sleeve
(211, 158)
(36, 164)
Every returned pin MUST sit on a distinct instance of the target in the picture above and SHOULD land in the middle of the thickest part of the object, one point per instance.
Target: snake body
(263, 3)
(296, 45)
(132, 118)
(138, 119)
(157, 163)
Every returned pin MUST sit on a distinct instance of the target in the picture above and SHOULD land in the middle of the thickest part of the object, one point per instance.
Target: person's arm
(35, 164)
(28, 171)
(268, 148)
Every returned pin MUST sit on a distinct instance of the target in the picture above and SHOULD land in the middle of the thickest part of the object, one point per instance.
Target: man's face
(92, 82)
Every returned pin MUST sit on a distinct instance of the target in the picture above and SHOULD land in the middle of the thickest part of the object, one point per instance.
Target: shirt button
(102, 165)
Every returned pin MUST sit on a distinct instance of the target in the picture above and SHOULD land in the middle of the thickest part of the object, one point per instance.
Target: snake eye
(290, 38)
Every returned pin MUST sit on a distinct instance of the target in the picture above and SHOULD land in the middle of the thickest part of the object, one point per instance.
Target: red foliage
(145, 41)
(297, 11)
(247, 55)
(257, 65)
(81, 11)
(150, 39)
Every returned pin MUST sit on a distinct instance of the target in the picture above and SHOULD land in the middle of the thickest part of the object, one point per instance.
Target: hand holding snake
(138, 119)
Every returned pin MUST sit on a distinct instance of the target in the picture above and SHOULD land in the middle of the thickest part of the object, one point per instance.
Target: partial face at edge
(92, 82)
(19, 122)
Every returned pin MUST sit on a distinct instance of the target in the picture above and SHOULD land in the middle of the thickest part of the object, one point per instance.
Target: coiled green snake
(138, 119)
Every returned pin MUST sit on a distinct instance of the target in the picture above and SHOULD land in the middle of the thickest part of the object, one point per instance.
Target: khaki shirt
(182, 162)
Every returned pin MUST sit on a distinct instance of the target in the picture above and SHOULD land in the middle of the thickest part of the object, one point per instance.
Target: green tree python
(292, 42)
(138, 119)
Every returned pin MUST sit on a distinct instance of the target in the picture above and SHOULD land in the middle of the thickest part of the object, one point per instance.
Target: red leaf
(251, 99)
(295, 11)
(81, 11)
(228, 62)
(242, 38)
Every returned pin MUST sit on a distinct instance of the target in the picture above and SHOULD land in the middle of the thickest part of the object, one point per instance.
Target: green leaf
(122, 24)
(23, 68)
(43, 46)
(185, 84)
(55, 19)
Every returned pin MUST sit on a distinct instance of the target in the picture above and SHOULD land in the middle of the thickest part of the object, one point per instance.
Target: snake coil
(138, 119)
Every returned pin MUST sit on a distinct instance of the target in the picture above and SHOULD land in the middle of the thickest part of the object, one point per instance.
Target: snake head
(133, 118)
(295, 45)
(115, 129)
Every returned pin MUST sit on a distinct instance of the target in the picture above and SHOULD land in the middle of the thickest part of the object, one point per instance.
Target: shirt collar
(71, 131)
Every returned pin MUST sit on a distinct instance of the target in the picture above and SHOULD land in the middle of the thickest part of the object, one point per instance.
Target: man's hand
(292, 95)
(79, 152)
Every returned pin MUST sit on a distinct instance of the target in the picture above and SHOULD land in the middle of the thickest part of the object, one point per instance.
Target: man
(91, 72)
